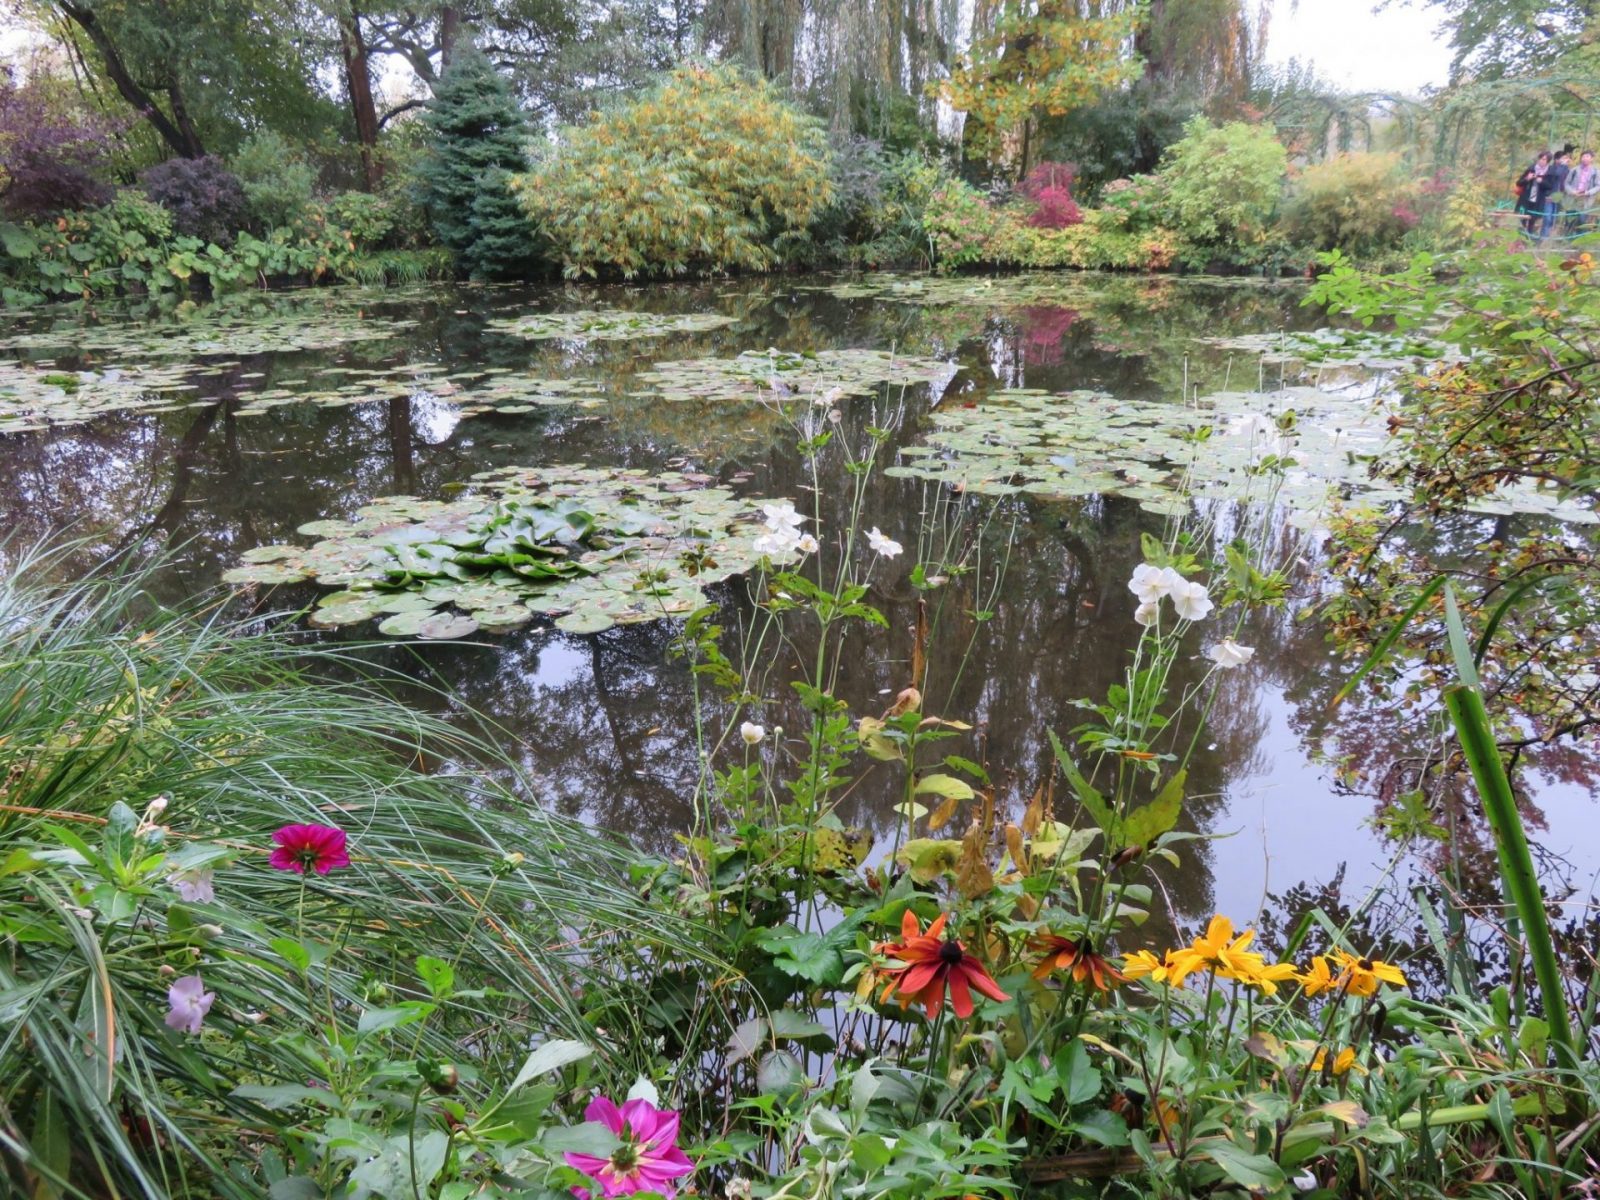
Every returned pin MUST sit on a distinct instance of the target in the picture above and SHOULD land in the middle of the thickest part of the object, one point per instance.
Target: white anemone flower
(807, 544)
(1191, 600)
(1228, 653)
(1148, 612)
(1151, 582)
(752, 733)
(783, 516)
(777, 543)
(882, 544)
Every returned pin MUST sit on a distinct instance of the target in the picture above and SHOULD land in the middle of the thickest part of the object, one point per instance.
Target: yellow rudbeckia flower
(1343, 1062)
(1318, 977)
(1142, 963)
(1217, 950)
(1361, 976)
(1263, 976)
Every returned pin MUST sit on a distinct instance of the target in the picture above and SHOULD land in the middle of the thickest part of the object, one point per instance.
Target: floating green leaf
(588, 325)
(769, 375)
(589, 548)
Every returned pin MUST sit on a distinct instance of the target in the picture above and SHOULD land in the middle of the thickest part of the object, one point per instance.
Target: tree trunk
(358, 78)
(449, 31)
(178, 131)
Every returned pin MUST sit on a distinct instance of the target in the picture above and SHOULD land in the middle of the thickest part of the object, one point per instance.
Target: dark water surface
(604, 721)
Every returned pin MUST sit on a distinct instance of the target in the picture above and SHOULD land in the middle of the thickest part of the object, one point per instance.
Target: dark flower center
(1364, 963)
(625, 1158)
(951, 953)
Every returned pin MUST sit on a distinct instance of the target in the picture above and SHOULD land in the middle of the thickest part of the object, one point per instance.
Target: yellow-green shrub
(1359, 203)
(709, 169)
(965, 230)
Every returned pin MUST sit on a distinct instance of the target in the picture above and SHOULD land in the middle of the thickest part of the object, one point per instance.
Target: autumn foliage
(1039, 60)
(708, 170)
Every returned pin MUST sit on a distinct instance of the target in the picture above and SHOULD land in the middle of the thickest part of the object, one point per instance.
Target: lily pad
(1367, 348)
(775, 375)
(590, 548)
(1299, 447)
(33, 397)
(613, 325)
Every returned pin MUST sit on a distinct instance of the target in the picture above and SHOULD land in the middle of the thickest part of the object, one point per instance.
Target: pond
(223, 429)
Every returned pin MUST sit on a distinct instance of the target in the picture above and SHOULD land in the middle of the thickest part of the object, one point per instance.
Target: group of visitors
(1554, 186)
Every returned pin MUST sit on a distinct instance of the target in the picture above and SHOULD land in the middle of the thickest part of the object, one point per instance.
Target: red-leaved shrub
(1049, 186)
(1055, 210)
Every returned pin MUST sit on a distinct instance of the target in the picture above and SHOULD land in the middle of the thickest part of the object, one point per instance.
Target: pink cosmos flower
(648, 1159)
(303, 848)
(189, 1002)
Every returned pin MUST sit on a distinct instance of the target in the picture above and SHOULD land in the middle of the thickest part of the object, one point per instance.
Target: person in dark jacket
(1553, 183)
(1525, 187)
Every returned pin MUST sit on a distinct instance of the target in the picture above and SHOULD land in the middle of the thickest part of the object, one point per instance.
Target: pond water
(225, 428)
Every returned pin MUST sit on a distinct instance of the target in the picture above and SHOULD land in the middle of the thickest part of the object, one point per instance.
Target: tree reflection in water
(603, 724)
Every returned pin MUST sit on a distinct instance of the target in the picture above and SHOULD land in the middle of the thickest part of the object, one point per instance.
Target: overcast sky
(1400, 49)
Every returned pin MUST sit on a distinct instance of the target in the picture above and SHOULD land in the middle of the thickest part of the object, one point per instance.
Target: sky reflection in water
(603, 720)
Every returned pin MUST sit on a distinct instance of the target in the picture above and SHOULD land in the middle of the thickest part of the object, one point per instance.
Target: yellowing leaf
(947, 786)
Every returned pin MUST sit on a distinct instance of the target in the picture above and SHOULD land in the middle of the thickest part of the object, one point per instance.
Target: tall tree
(205, 73)
(1493, 39)
(358, 84)
(1205, 51)
(1041, 57)
(478, 136)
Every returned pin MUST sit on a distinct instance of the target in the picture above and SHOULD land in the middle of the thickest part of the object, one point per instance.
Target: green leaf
(786, 1023)
(947, 786)
(1256, 1173)
(591, 1137)
(292, 952)
(1148, 822)
(780, 1074)
(282, 1095)
(375, 1020)
(1078, 1075)
(438, 976)
(1093, 802)
(550, 1056)
(747, 1039)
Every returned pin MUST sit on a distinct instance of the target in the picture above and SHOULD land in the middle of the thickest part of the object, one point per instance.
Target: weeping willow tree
(1206, 50)
(864, 63)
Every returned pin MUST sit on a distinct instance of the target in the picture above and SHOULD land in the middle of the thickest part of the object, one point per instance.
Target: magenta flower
(648, 1159)
(303, 848)
(189, 1003)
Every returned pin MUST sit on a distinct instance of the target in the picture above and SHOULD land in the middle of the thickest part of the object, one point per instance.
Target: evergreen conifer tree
(477, 144)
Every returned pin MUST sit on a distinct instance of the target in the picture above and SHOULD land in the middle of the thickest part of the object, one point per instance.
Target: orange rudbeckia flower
(933, 964)
(1078, 958)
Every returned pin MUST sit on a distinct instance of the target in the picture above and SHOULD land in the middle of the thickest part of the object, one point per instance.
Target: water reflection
(604, 724)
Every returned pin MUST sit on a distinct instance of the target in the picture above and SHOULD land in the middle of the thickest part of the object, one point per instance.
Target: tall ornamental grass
(148, 757)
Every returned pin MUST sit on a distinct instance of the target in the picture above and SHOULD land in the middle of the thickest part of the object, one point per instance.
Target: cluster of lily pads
(1369, 348)
(1316, 444)
(1306, 448)
(1005, 291)
(776, 375)
(37, 395)
(234, 334)
(589, 547)
(471, 392)
(610, 325)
